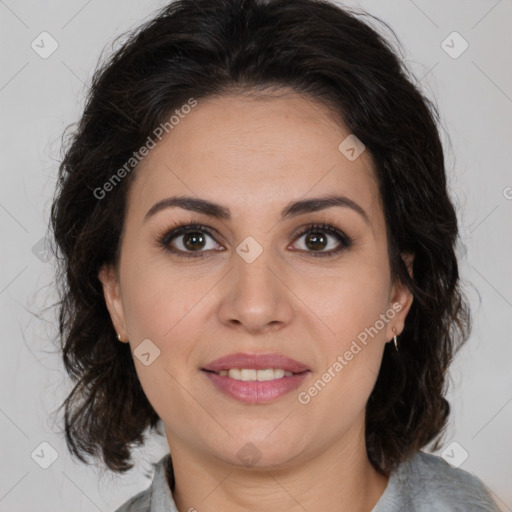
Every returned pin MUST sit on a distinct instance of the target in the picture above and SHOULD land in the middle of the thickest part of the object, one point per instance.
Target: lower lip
(255, 392)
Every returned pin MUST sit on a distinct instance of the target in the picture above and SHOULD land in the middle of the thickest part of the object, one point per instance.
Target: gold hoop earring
(395, 341)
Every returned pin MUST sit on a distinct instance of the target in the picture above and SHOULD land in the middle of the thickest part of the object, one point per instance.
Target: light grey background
(40, 97)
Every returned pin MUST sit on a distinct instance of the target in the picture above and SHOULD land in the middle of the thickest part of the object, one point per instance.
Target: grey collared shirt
(421, 484)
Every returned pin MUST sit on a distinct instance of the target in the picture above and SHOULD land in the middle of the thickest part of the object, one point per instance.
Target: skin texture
(254, 156)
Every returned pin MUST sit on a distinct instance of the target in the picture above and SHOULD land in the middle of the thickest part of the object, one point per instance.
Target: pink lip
(253, 392)
(257, 362)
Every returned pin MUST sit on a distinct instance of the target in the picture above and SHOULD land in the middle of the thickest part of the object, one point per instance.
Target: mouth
(252, 374)
(255, 378)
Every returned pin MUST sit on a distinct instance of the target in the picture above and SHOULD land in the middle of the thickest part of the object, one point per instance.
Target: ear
(400, 301)
(111, 290)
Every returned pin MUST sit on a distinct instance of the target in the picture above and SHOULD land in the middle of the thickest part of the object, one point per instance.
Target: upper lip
(256, 361)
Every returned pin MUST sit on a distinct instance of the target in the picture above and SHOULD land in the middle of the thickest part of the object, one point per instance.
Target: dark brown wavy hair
(205, 48)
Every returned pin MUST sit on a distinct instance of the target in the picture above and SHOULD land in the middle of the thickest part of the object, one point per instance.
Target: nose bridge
(257, 296)
(253, 265)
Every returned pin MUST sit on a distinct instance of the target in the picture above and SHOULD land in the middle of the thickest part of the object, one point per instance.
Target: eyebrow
(293, 209)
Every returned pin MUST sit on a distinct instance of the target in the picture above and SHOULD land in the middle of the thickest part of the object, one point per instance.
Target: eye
(191, 240)
(187, 239)
(317, 239)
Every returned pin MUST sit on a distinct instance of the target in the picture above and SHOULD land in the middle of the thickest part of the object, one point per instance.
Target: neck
(338, 478)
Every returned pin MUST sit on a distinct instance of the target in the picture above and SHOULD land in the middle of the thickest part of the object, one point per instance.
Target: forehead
(249, 152)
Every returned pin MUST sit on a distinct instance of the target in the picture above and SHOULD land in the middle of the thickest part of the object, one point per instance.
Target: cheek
(157, 299)
(347, 299)
(162, 306)
(349, 331)
(166, 305)
(350, 355)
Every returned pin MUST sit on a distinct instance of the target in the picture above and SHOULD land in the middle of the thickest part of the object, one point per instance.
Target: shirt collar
(161, 496)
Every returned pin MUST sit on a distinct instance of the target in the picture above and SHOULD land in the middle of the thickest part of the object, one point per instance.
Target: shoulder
(434, 482)
(435, 475)
(157, 497)
(427, 482)
(141, 502)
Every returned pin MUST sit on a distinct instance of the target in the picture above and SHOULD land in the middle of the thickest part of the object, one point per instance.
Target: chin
(263, 452)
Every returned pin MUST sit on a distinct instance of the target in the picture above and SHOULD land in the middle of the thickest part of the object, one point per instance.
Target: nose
(257, 298)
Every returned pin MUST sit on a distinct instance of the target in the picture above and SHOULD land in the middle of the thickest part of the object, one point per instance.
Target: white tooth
(234, 373)
(267, 374)
(250, 374)
(278, 373)
(247, 374)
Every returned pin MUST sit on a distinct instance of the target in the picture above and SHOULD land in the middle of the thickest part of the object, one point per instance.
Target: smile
(251, 374)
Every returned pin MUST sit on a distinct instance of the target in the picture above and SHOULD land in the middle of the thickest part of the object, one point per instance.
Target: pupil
(191, 238)
(317, 239)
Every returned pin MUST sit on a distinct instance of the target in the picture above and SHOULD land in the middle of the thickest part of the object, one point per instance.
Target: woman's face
(252, 284)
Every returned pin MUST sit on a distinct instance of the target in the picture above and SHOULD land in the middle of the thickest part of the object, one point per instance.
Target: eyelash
(182, 229)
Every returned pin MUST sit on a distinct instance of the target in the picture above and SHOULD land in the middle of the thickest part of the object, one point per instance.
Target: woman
(258, 250)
